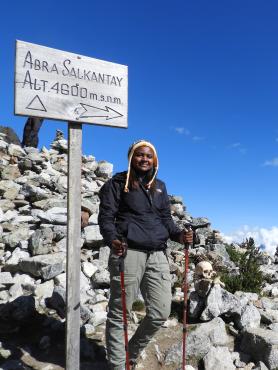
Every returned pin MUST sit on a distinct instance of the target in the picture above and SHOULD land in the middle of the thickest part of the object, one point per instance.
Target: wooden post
(73, 246)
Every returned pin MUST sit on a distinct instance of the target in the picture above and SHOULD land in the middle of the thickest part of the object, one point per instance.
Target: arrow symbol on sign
(89, 111)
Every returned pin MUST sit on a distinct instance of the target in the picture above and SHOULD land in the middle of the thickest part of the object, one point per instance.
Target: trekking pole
(123, 294)
(185, 289)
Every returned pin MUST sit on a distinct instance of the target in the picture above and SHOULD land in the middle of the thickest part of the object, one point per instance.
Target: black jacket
(143, 219)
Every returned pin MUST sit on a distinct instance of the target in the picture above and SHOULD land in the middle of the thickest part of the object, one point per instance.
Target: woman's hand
(119, 248)
(188, 236)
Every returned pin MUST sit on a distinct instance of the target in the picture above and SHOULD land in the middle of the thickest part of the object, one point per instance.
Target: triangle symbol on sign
(36, 104)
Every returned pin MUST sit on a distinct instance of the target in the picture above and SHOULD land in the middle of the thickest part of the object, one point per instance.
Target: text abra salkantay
(67, 69)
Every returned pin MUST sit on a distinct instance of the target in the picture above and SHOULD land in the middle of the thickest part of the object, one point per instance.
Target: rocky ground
(226, 331)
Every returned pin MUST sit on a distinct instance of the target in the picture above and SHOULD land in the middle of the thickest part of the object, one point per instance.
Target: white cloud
(197, 138)
(235, 145)
(267, 237)
(273, 162)
(182, 130)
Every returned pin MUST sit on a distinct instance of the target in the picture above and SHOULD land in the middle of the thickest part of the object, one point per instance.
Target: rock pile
(229, 330)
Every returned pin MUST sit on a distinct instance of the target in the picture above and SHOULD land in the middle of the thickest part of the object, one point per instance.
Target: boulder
(218, 358)
(219, 302)
(104, 169)
(13, 238)
(44, 266)
(41, 241)
(200, 341)
(262, 345)
(92, 235)
(249, 318)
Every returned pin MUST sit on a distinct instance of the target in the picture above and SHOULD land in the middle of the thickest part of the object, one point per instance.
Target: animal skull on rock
(204, 270)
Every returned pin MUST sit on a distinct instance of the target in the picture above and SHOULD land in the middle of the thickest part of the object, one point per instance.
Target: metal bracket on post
(73, 246)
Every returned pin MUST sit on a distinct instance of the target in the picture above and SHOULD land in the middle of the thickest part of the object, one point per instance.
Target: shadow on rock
(31, 340)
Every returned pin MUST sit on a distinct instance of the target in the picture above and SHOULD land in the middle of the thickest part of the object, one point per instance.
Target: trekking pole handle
(122, 257)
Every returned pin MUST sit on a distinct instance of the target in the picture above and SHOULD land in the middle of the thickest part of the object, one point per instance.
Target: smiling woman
(135, 221)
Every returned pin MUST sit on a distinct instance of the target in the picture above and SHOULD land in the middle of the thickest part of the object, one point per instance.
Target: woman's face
(142, 159)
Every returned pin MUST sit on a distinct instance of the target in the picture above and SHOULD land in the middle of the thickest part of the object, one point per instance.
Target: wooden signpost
(55, 84)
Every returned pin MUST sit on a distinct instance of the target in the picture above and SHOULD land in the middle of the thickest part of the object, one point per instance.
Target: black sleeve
(174, 232)
(109, 195)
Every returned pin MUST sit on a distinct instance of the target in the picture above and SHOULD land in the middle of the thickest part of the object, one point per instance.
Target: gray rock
(269, 303)
(260, 366)
(98, 318)
(6, 278)
(219, 301)
(1, 215)
(89, 186)
(57, 215)
(61, 245)
(26, 281)
(262, 345)
(41, 241)
(89, 269)
(60, 183)
(220, 250)
(196, 305)
(16, 150)
(273, 327)
(18, 234)
(60, 232)
(249, 297)
(269, 316)
(89, 205)
(58, 302)
(61, 145)
(249, 318)
(44, 266)
(47, 204)
(45, 290)
(200, 341)
(10, 215)
(6, 204)
(218, 358)
(34, 193)
(10, 172)
(92, 235)
(93, 220)
(35, 157)
(104, 169)
(16, 256)
(9, 189)
(101, 279)
(177, 209)
(104, 253)
(15, 291)
(60, 280)
(175, 199)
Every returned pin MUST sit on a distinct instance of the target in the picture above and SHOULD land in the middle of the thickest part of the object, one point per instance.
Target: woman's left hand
(188, 236)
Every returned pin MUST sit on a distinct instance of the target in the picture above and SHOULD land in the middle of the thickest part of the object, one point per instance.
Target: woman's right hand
(119, 248)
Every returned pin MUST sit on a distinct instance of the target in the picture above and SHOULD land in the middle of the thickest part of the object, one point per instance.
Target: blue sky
(202, 87)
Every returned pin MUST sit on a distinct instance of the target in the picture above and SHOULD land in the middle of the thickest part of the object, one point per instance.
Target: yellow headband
(131, 151)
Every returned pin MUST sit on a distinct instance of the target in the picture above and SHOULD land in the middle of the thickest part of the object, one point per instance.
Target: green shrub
(138, 305)
(250, 278)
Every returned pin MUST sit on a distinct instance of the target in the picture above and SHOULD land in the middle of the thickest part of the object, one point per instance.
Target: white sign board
(55, 84)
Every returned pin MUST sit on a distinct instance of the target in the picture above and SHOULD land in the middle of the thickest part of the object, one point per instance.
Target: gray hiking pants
(149, 273)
